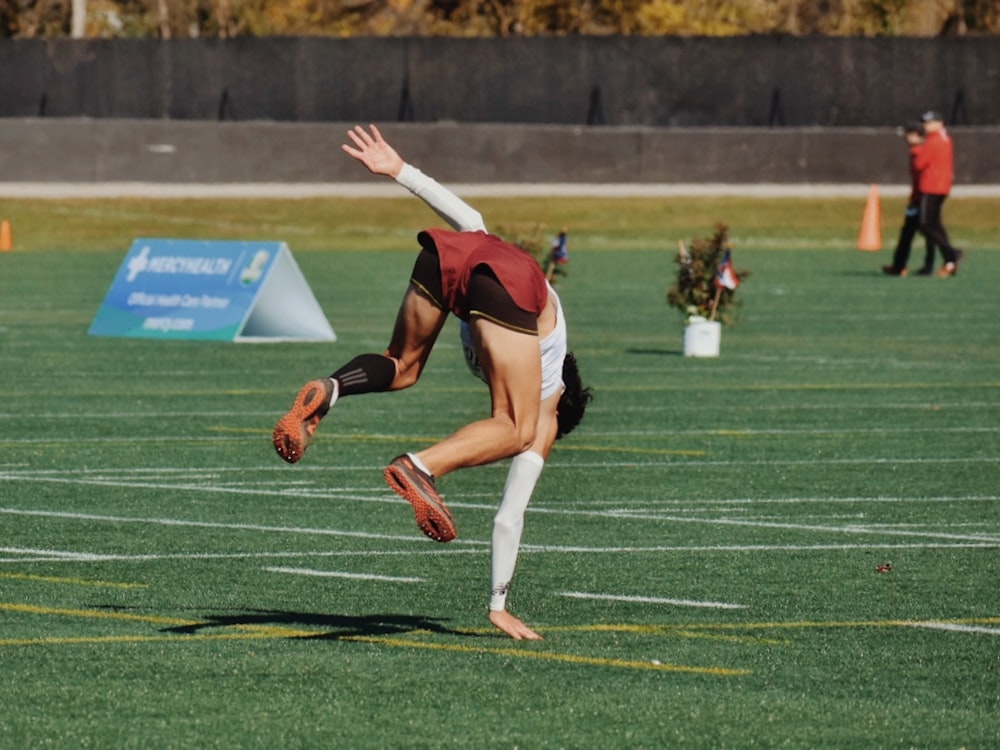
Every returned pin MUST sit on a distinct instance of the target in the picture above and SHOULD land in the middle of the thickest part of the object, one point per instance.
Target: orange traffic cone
(6, 243)
(870, 237)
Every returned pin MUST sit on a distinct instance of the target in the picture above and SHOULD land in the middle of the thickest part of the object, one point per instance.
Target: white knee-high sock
(509, 521)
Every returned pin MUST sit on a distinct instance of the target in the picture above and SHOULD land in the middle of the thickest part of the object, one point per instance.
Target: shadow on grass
(338, 626)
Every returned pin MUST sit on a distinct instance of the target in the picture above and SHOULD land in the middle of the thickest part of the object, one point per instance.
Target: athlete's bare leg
(418, 323)
(512, 364)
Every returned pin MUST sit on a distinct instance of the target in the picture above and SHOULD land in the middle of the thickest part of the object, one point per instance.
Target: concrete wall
(176, 151)
(634, 81)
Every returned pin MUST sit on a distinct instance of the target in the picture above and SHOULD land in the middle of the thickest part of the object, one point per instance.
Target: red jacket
(934, 164)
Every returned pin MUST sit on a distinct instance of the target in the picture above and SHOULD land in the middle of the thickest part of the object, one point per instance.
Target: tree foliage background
(488, 18)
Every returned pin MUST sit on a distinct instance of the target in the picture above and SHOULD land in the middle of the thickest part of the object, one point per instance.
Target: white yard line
(619, 509)
(52, 554)
(957, 628)
(620, 514)
(23, 555)
(853, 528)
(214, 525)
(650, 600)
(341, 574)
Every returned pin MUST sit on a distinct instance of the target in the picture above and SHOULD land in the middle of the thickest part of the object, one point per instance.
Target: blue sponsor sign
(198, 289)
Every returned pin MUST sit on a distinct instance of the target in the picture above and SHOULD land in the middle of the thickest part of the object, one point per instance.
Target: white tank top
(553, 350)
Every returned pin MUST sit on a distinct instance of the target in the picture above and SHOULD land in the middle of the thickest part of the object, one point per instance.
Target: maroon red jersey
(461, 252)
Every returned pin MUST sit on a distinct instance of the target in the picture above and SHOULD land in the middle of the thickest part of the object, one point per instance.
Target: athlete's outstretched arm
(372, 150)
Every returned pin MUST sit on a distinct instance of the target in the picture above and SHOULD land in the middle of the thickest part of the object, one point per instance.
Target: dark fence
(636, 81)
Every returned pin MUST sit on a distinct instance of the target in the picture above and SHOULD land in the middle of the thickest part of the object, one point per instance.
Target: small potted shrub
(705, 291)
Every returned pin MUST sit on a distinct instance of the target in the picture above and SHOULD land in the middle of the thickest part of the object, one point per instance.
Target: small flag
(560, 248)
(726, 276)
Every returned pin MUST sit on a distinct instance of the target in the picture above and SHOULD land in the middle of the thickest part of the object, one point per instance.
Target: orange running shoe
(947, 271)
(419, 490)
(294, 430)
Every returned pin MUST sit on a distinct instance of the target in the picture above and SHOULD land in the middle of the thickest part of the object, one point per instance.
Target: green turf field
(700, 556)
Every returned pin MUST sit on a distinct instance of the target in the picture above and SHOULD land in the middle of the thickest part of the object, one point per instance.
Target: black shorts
(487, 297)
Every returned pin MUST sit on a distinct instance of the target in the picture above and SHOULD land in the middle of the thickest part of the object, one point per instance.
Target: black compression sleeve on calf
(366, 373)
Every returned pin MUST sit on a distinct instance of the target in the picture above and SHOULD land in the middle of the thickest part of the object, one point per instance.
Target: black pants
(931, 226)
(906, 234)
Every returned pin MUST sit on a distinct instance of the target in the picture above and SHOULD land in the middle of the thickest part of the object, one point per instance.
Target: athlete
(514, 336)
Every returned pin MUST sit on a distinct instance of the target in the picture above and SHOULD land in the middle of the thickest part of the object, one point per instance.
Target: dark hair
(574, 399)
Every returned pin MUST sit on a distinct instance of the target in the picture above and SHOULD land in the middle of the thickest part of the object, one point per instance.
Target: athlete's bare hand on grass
(513, 627)
(374, 152)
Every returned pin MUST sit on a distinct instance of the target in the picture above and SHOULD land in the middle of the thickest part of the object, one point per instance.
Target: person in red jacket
(934, 163)
(914, 134)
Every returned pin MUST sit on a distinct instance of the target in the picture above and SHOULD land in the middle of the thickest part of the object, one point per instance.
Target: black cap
(930, 116)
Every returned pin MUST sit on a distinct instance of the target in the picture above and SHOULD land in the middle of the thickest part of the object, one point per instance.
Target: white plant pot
(702, 337)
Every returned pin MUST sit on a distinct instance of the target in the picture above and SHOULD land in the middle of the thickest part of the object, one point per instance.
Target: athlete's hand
(373, 151)
(513, 627)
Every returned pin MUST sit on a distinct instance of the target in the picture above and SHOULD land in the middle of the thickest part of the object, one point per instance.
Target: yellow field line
(549, 656)
(683, 631)
(263, 632)
(271, 631)
(76, 640)
(260, 632)
(96, 614)
(651, 629)
(73, 581)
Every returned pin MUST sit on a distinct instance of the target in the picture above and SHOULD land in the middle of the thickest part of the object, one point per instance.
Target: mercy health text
(195, 266)
(187, 301)
(176, 264)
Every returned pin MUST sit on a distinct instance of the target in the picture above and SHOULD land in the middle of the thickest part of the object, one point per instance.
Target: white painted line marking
(755, 547)
(53, 553)
(471, 547)
(218, 525)
(854, 499)
(958, 628)
(650, 600)
(32, 555)
(46, 555)
(847, 529)
(384, 496)
(338, 574)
